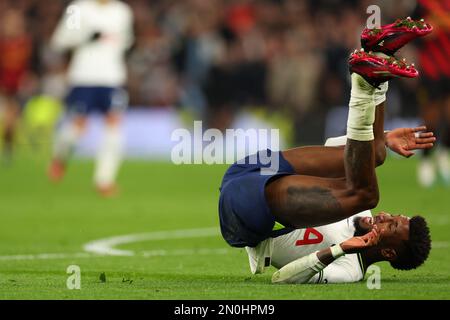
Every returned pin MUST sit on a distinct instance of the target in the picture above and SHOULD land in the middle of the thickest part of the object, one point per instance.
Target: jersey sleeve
(128, 33)
(344, 270)
(336, 141)
(70, 31)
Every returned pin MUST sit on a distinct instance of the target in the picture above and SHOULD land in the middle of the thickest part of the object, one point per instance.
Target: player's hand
(403, 140)
(357, 244)
(95, 36)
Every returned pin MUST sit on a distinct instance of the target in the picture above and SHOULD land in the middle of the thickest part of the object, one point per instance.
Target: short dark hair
(416, 248)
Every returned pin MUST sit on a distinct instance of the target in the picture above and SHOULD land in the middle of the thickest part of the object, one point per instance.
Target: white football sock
(426, 173)
(380, 94)
(361, 115)
(443, 161)
(109, 157)
(65, 141)
(336, 141)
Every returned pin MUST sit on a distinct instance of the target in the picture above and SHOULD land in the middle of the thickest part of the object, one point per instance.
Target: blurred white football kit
(96, 63)
(98, 33)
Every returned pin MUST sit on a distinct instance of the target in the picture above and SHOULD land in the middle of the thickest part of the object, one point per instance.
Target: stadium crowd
(214, 57)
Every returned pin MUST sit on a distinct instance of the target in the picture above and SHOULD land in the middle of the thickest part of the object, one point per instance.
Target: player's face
(393, 228)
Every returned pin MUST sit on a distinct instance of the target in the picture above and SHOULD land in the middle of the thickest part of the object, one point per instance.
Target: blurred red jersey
(435, 49)
(15, 54)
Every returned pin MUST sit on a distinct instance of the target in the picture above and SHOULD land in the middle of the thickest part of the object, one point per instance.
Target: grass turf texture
(38, 217)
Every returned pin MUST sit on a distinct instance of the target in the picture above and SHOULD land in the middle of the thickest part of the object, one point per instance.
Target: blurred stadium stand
(214, 59)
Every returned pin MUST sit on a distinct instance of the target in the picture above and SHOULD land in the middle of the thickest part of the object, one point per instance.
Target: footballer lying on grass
(270, 194)
(405, 243)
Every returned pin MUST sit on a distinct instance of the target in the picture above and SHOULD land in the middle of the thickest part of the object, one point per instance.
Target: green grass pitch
(39, 218)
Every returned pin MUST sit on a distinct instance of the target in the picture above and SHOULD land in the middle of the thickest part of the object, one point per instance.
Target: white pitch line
(106, 246)
(439, 244)
(47, 256)
(143, 254)
(185, 252)
(441, 221)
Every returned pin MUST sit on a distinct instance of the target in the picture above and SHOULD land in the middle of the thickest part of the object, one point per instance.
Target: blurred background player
(15, 55)
(434, 96)
(98, 32)
(230, 64)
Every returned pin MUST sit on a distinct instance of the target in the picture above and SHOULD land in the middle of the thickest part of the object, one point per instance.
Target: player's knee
(113, 119)
(380, 154)
(80, 124)
(369, 198)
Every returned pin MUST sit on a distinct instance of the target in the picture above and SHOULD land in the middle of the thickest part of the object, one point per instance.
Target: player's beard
(359, 230)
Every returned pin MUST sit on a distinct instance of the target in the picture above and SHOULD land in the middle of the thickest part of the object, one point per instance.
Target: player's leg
(443, 156)
(9, 126)
(64, 143)
(328, 162)
(426, 171)
(109, 157)
(304, 201)
(78, 102)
